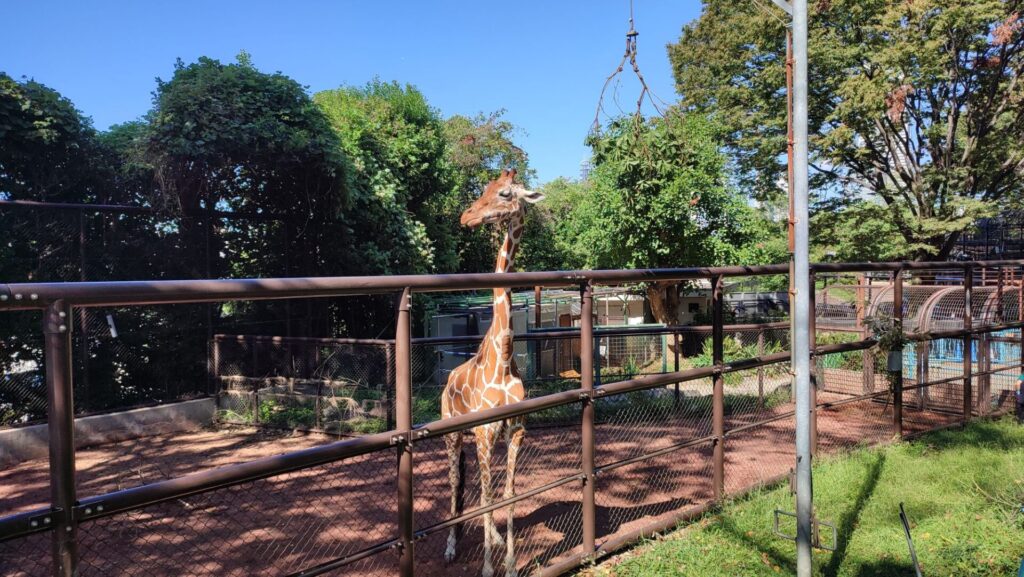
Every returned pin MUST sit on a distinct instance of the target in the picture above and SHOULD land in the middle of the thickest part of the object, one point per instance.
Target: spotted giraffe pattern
(489, 379)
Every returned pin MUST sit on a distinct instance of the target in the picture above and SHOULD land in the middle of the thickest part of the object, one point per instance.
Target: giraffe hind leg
(456, 480)
(514, 435)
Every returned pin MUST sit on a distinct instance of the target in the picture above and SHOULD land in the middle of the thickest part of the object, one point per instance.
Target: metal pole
(801, 285)
(968, 317)
(61, 429)
(675, 357)
(536, 307)
(897, 391)
(718, 394)
(389, 386)
(760, 370)
(403, 416)
(83, 326)
(812, 331)
(587, 433)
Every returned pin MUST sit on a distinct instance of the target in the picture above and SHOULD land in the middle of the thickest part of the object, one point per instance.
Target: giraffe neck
(503, 296)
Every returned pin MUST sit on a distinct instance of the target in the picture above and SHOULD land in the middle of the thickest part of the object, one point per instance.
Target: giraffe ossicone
(490, 379)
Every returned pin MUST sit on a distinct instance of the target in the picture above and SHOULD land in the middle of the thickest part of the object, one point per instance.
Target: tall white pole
(802, 312)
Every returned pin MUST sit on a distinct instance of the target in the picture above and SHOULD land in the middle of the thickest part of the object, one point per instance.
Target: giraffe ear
(532, 196)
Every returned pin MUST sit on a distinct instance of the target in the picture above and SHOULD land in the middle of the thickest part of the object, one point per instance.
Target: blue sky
(544, 62)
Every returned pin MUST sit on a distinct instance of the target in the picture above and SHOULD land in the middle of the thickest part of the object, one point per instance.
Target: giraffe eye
(506, 194)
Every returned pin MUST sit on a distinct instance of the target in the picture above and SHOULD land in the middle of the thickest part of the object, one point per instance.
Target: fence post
(214, 368)
(403, 415)
(83, 322)
(61, 429)
(389, 376)
(815, 368)
(897, 313)
(968, 341)
(760, 370)
(675, 356)
(718, 395)
(587, 433)
(923, 368)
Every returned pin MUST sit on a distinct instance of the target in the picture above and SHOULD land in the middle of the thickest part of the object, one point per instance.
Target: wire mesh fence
(697, 415)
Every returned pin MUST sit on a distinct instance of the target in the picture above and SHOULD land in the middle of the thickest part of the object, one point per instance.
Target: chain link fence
(681, 418)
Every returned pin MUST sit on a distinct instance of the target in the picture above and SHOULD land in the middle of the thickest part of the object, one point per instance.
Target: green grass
(961, 489)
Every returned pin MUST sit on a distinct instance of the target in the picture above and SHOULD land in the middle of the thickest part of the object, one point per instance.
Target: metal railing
(590, 480)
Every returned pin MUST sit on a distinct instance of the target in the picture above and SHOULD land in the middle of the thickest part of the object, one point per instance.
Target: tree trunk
(664, 300)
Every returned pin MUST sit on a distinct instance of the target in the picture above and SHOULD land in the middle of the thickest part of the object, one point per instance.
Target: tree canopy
(916, 103)
(658, 196)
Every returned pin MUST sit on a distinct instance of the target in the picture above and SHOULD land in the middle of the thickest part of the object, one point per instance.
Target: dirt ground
(299, 520)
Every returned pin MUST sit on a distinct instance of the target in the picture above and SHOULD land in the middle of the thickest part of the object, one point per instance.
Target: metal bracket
(815, 531)
(82, 512)
(43, 520)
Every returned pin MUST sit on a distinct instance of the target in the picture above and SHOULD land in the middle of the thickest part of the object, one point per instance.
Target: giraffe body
(490, 379)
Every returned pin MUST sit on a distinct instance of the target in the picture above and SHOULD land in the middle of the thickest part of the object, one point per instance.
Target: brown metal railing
(68, 513)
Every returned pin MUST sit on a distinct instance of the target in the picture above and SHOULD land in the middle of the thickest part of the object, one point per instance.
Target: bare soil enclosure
(271, 526)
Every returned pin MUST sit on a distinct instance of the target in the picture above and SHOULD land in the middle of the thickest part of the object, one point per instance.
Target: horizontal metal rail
(121, 293)
(569, 333)
(480, 511)
(93, 294)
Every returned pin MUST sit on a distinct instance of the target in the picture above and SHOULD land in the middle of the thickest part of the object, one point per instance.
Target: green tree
(48, 150)
(916, 102)
(396, 142)
(658, 197)
(478, 148)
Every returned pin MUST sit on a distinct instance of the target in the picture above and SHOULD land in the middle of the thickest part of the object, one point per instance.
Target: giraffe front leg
(485, 440)
(514, 439)
(453, 447)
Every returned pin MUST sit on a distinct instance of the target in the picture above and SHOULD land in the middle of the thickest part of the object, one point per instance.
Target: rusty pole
(587, 436)
(867, 360)
(760, 370)
(814, 374)
(675, 357)
(968, 322)
(897, 392)
(403, 417)
(83, 326)
(61, 429)
(536, 307)
(718, 394)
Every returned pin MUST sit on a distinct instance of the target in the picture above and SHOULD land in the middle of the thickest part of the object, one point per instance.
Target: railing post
(61, 429)
(923, 369)
(867, 360)
(403, 417)
(760, 370)
(587, 433)
(897, 313)
(718, 394)
(968, 341)
(812, 330)
(675, 358)
(214, 368)
(389, 386)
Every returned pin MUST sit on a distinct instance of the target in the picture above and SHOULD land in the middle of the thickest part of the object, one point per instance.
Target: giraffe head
(502, 199)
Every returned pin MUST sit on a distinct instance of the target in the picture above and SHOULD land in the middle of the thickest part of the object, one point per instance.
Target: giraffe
(490, 379)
